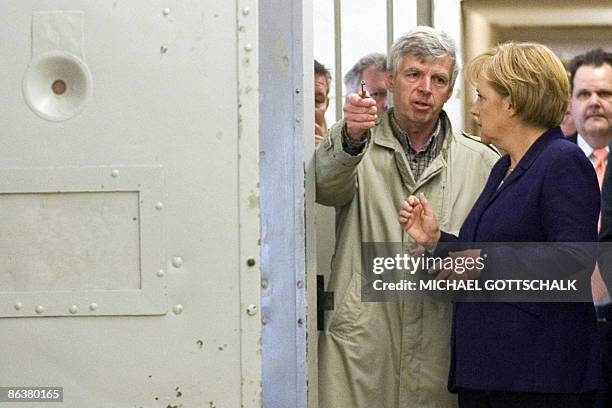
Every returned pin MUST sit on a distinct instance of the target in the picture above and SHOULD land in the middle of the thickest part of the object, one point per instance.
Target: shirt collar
(588, 150)
(400, 132)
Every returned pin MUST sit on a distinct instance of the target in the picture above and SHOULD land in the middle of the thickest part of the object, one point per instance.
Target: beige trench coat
(388, 355)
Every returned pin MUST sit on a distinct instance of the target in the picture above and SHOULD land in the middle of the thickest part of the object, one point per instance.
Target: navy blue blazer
(551, 196)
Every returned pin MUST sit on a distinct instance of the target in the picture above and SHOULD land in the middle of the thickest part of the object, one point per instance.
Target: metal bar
(389, 24)
(424, 12)
(338, 57)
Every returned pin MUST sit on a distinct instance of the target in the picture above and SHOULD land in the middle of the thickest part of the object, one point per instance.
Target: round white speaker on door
(56, 85)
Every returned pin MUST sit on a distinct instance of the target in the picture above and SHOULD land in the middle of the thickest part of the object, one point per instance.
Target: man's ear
(389, 82)
(450, 93)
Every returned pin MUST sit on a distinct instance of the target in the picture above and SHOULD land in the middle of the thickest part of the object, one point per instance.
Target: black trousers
(469, 398)
(604, 326)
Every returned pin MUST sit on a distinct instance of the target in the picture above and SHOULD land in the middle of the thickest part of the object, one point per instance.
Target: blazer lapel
(470, 226)
(512, 177)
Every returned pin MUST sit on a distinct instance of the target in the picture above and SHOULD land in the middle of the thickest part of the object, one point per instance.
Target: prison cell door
(129, 258)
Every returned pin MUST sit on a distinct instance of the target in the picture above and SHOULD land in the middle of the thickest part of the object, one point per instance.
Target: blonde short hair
(531, 75)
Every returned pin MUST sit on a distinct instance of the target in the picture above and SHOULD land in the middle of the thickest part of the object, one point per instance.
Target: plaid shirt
(420, 160)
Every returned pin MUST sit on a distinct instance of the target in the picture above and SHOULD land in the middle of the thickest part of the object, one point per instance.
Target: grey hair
(353, 76)
(425, 43)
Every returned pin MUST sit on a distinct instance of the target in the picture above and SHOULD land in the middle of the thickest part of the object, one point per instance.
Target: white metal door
(129, 258)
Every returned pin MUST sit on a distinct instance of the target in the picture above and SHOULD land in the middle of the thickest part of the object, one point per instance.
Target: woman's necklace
(510, 169)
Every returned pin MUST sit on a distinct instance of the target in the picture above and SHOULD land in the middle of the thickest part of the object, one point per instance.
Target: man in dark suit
(591, 108)
(591, 102)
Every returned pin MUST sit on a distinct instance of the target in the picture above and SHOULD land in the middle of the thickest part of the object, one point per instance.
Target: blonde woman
(543, 190)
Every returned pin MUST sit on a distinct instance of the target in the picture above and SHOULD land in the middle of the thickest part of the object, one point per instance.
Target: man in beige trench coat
(392, 355)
